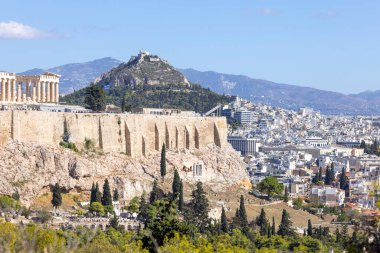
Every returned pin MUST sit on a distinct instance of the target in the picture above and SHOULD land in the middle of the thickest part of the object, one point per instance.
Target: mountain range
(78, 75)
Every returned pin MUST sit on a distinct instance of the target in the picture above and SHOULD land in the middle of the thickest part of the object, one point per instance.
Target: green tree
(156, 192)
(286, 195)
(198, 208)
(98, 193)
(95, 98)
(97, 207)
(181, 202)
(262, 222)
(343, 181)
(273, 232)
(93, 193)
(320, 175)
(270, 186)
(114, 222)
(134, 205)
(242, 212)
(163, 161)
(297, 203)
(57, 197)
(143, 207)
(106, 198)
(223, 221)
(115, 195)
(309, 228)
(176, 184)
(328, 176)
(285, 228)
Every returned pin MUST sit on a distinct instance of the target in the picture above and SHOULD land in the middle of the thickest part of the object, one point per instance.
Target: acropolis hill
(132, 134)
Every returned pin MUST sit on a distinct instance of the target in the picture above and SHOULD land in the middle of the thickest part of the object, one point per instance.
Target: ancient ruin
(135, 135)
(29, 88)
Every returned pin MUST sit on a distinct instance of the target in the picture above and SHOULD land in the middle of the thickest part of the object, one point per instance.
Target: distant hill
(75, 76)
(148, 81)
(285, 95)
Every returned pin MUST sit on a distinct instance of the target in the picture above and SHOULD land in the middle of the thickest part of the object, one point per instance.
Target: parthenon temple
(29, 88)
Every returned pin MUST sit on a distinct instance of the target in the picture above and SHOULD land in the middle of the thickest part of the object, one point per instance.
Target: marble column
(38, 89)
(47, 92)
(27, 91)
(13, 90)
(56, 92)
(43, 95)
(52, 94)
(33, 97)
(19, 91)
(7, 90)
(2, 89)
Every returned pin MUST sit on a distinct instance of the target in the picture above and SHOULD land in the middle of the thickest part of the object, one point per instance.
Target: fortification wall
(134, 135)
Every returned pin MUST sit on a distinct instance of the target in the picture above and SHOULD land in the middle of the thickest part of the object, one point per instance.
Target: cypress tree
(57, 197)
(156, 192)
(223, 221)
(181, 203)
(115, 195)
(273, 226)
(343, 182)
(269, 231)
(98, 193)
(107, 198)
(262, 222)
(242, 212)
(309, 228)
(338, 237)
(143, 207)
(329, 176)
(320, 174)
(286, 195)
(93, 193)
(163, 161)
(176, 184)
(285, 228)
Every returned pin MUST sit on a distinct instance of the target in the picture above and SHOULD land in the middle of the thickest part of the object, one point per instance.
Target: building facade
(246, 146)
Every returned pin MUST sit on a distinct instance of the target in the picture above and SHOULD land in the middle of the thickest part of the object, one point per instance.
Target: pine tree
(199, 208)
(98, 193)
(242, 212)
(286, 195)
(57, 197)
(176, 184)
(181, 202)
(143, 207)
(273, 226)
(285, 228)
(309, 228)
(156, 192)
(107, 198)
(93, 193)
(223, 221)
(163, 161)
(115, 195)
(114, 222)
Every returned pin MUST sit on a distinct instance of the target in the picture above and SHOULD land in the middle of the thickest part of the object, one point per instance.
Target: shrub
(8, 203)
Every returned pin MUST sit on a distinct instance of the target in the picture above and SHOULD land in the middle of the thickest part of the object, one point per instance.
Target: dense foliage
(195, 98)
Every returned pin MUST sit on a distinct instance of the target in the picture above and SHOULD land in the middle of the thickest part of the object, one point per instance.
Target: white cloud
(267, 11)
(15, 30)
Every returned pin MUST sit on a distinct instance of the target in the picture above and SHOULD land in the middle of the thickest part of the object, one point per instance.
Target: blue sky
(326, 44)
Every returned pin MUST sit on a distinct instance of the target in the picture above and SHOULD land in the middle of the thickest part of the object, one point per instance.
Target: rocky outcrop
(144, 69)
(31, 169)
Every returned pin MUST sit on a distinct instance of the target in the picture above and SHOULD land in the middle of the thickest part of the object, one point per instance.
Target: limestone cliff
(30, 169)
(144, 69)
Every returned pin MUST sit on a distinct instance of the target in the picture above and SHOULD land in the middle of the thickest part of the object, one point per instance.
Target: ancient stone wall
(134, 135)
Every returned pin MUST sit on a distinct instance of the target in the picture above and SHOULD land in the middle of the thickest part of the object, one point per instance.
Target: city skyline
(329, 46)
